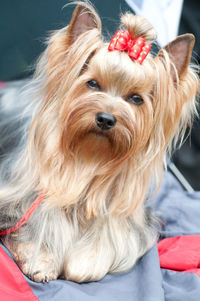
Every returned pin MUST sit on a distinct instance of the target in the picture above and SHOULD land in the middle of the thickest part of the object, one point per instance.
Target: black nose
(105, 121)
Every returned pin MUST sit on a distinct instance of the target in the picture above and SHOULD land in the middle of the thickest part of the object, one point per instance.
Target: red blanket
(181, 253)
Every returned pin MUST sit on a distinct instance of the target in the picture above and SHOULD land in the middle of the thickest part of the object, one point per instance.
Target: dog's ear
(180, 51)
(84, 18)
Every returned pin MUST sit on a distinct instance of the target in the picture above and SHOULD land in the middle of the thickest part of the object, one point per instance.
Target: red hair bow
(137, 49)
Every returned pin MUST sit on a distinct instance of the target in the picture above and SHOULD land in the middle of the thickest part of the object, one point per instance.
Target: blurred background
(25, 24)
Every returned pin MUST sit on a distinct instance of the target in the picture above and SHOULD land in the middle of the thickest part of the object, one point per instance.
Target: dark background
(24, 25)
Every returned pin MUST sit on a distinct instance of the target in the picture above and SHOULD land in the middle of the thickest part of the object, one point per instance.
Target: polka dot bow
(137, 49)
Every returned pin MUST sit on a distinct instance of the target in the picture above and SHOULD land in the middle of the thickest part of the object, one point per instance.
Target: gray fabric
(180, 286)
(178, 209)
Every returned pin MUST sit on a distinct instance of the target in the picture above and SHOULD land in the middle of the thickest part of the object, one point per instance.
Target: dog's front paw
(85, 267)
(42, 271)
(72, 273)
(39, 268)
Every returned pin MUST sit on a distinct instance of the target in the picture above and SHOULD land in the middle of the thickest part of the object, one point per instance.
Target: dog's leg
(94, 254)
(88, 263)
(90, 256)
(38, 266)
(112, 246)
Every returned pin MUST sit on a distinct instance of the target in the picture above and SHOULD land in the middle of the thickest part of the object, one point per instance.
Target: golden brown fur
(92, 220)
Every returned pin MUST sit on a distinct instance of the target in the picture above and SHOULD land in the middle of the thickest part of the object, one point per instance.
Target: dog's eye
(135, 99)
(92, 84)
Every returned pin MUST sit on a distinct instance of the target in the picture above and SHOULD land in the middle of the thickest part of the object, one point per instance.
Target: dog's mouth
(94, 146)
(101, 135)
(98, 134)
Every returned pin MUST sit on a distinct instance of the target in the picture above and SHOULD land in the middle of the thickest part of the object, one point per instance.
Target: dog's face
(109, 114)
(110, 107)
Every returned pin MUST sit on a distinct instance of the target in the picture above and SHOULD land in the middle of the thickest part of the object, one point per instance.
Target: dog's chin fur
(95, 145)
(92, 220)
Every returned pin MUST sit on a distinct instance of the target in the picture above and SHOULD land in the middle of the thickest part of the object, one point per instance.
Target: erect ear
(84, 18)
(180, 51)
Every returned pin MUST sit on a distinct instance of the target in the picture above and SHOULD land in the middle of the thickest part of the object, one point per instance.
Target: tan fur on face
(95, 182)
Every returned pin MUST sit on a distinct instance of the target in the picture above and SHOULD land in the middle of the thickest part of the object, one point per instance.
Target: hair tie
(137, 49)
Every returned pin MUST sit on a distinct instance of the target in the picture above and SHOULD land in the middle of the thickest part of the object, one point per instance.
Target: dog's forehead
(116, 70)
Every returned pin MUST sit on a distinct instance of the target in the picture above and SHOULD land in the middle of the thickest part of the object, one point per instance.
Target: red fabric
(1, 84)
(181, 253)
(13, 286)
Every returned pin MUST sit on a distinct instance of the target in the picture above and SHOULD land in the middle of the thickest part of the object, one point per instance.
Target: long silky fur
(92, 220)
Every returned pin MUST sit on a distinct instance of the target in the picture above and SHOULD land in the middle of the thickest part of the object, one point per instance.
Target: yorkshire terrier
(91, 142)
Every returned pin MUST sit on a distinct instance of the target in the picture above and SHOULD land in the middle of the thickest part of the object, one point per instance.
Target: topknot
(138, 27)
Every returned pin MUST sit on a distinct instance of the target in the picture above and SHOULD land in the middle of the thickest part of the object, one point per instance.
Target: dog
(78, 163)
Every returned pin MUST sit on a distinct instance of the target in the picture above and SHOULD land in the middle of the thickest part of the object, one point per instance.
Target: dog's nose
(105, 121)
